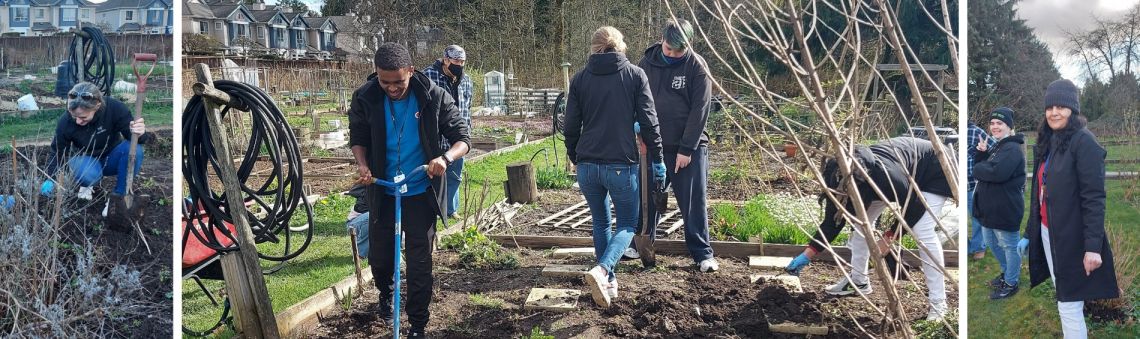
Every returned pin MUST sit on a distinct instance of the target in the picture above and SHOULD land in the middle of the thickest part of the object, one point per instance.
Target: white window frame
(203, 27)
(160, 14)
(84, 14)
(74, 14)
(301, 39)
(129, 15)
(41, 13)
(218, 26)
(262, 32)
(16, 14)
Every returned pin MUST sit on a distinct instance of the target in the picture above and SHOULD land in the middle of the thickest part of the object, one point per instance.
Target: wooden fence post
(245, 283)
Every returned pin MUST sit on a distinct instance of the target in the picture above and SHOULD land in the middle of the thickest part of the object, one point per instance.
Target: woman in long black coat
(1066, 233)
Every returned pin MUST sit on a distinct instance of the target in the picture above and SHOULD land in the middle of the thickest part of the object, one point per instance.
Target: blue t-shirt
(405, 153)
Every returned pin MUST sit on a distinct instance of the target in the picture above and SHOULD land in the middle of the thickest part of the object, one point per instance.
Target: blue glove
(47, 188)
(636, 128)
(798, 264)
(659, 173)
(7, 201)
(1022, 246)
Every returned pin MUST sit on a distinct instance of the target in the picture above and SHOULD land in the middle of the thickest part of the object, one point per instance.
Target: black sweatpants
(419, 234)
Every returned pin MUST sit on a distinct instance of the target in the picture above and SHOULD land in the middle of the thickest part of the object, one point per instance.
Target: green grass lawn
(326, 261)
(1033, 313)
(493, 171)
(42, 125)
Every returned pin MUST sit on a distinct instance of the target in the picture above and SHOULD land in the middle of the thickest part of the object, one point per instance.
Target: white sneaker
(612, 289)
(106, 207)
(599, 283)
(85, 193)
(937, 311)
(630, 253)
(845, 287)
(709, 265)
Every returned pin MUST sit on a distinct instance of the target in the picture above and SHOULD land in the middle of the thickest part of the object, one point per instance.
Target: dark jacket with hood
(1074, 196)
(110, 126)
(889, 164)
(999, 201)
(605, 99)
(367, 125)
(681, 92)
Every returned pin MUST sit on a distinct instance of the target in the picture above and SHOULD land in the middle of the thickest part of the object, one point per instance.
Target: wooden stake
(245, 283)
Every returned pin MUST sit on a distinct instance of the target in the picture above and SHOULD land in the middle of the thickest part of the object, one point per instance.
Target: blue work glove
(798, 264)
(1022, 246)
(7, 201)
(636, 128)
(659, 173)
(47, 188)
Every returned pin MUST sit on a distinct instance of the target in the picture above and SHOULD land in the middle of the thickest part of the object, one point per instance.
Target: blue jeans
(454, 179)
(975, 243)
(599, 183)
(89, 170)
(1004, 246)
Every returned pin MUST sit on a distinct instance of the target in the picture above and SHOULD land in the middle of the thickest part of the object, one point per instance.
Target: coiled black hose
(98, 64)
(279, 194)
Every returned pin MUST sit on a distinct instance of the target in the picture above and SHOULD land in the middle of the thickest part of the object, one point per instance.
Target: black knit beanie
(1005, 114)
(1064, 93)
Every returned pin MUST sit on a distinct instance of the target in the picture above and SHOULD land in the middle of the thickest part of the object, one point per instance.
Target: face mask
(455, 70)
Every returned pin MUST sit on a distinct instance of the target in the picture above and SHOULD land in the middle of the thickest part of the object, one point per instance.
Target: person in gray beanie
(1066, 234)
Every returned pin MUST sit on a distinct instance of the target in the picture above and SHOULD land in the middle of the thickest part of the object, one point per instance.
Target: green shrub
(551, 177)
(724, 218)
(476, 251)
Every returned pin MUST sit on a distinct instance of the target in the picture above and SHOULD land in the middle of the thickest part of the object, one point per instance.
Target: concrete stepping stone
(767, 262)
(552, 299)
(565, 271)
(794, 328)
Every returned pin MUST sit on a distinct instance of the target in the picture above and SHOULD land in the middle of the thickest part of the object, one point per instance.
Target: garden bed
(113, 252)
(661, 302)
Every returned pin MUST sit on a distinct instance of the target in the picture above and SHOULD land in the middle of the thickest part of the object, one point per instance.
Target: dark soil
(673, 301)
(155, 181)
(1102, 312)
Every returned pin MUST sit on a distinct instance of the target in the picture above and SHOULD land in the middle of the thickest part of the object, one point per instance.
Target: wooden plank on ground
(573, 252)
(560, 213)
(564, 271)
(549, 299)
(790, 281)
(793, 328)
(769, 262)
(729, 249)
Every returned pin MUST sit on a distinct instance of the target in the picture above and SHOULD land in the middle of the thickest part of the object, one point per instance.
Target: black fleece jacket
(681, 94)
(110, 126)
(605, 99)
(999, 199)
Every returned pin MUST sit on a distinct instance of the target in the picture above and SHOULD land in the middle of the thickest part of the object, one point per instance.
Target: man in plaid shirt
(447, 72)
(975, 245)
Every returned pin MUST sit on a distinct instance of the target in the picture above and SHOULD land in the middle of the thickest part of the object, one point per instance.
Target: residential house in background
(356, 40)
(257, 29)
(322, 36)
(137, 16)
(270, 30)
(43, 17)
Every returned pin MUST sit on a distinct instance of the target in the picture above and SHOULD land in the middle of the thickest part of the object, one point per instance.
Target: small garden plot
(673, 300)
(105, 283)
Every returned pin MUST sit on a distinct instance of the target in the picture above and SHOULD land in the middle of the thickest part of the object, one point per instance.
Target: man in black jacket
(1000, 172)
(681, 90)
(396, 121)
(890, 165)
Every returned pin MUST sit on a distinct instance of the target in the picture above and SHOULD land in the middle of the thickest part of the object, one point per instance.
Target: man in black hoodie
(681, 90)
(396, 121)
(1000, 201)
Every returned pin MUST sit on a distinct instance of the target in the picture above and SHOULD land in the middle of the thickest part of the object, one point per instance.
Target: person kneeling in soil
(396, 120)
(95, 132)
(890, 164)
(600, 142)
(358, 218)
(1000, 172)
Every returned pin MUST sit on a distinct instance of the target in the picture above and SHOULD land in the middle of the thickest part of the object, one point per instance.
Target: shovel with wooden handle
(644, 239)
(127, 209)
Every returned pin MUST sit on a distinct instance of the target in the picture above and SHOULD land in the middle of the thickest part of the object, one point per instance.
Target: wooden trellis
(578, 217)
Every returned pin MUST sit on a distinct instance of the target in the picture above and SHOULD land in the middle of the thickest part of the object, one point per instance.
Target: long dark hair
(1046, 135)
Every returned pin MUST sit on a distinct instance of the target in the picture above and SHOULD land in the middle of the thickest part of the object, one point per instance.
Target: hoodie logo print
(679, 82)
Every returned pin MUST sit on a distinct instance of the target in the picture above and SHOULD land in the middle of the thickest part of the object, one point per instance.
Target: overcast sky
(313, 4)
(1050, 19)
